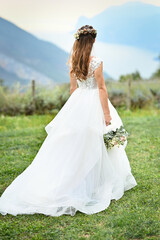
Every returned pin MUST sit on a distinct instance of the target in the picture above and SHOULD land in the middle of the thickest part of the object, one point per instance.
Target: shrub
(50, 99)
(47, 100)
(139, 100)
(117, 97)
(156, 95)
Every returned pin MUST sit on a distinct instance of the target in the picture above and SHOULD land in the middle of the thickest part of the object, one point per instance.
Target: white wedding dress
(73, 170)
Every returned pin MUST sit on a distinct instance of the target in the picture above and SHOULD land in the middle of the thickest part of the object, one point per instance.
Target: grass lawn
(134, 216)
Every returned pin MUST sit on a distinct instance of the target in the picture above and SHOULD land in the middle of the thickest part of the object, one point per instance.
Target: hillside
(26, 52)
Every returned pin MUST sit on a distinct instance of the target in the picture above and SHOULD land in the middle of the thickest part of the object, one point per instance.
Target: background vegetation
(50, 99)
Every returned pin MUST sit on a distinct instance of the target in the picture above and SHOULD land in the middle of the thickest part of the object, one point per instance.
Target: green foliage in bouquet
(115, 138)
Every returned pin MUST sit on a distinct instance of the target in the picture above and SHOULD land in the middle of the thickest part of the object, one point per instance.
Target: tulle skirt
(73, 170)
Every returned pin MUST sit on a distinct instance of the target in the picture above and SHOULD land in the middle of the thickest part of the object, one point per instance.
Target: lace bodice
(90, 82)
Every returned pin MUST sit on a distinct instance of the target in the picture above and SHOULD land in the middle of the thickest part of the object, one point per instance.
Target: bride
(73, 170)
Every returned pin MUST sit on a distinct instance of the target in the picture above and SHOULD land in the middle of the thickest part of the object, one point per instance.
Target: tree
(156, 74)
(133, 76)
(1, 82)
(5, 88)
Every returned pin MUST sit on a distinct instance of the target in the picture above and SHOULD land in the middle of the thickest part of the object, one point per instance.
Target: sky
(53, 20)
(54, 15)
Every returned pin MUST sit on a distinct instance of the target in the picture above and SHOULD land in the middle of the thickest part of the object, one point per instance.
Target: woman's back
(90, 82)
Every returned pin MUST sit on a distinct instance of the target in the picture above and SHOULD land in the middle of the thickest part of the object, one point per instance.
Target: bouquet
(115, 137)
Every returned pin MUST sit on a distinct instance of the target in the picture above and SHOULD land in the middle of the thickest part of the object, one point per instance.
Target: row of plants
(17, 100)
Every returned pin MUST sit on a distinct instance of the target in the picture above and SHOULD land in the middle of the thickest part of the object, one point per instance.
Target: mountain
(134, 24)
(11, 78)
(27, 57)
(23, 73)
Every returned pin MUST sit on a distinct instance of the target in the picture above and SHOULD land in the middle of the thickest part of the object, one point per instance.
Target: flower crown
(84, 32)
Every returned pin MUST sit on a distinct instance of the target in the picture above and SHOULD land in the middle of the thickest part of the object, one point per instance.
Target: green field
(134, 216)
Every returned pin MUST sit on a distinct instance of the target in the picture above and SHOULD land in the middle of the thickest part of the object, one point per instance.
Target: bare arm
(73, 83)
(103, 93)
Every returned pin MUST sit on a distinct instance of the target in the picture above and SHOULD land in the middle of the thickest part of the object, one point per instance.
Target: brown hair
(81, 51)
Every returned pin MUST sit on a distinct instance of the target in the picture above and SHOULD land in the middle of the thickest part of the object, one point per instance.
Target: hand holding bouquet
(115, 137)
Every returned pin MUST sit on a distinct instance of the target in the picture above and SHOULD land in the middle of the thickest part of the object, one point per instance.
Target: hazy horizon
(53, 21)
